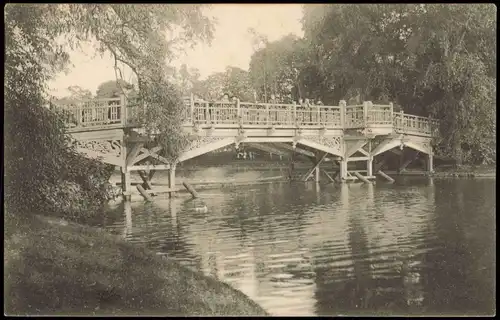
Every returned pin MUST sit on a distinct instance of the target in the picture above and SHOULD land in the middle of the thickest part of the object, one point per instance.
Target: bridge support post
(369, 162)
(126, 184)
(343, 170)
(171, 180)
(369, 166)
(430, 163)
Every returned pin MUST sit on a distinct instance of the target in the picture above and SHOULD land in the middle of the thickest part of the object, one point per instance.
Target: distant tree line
(434, 60)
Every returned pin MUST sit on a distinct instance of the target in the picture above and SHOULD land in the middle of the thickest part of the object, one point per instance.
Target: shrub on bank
(43, 171)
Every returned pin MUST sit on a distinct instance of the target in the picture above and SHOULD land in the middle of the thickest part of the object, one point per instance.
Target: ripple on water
(297, 250)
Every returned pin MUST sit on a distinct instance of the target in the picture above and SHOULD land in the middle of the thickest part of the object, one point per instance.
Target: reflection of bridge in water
(350, 250)
(108, 128)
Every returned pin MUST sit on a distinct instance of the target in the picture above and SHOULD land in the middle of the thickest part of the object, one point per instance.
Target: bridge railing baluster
(119, 111)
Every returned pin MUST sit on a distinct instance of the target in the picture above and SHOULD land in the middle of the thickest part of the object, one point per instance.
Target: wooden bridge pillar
(369, 162)
(171, 180)
(343, 170)
(430, 163)
(369, 166)
(125, 174)
(126, 184)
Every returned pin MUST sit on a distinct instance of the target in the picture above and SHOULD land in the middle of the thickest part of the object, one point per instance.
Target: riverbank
(53, 267)
(245, 163)
(452, 172)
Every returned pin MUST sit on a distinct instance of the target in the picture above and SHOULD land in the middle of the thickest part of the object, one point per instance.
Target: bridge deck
(103, 114)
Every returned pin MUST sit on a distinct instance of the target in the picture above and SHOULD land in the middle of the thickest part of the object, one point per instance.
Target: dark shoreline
(84, 270)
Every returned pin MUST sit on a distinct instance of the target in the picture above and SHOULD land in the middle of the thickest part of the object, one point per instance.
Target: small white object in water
(282, 276)
(201, 209)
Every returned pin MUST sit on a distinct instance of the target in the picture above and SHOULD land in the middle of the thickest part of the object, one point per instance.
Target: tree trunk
(299, 89)
(457, 152)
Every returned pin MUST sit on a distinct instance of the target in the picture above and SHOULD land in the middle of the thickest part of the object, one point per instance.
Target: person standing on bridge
(308, 107)
(300, 111)
(234, 100)
(273, 115)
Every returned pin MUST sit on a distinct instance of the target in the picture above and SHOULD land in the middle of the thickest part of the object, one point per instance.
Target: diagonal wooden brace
(407, 162)
(146, 181)
(316, 165)
(288, 147)
(147, 153)
(133, 154)
(355, 147)
(329, 177)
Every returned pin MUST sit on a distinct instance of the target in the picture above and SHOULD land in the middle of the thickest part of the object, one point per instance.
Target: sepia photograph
(250, 159)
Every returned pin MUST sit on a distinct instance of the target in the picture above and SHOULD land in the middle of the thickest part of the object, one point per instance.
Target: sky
(231, 46)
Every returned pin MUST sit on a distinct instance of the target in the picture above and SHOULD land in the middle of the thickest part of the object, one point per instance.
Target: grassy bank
(452, 172)
(53, 267)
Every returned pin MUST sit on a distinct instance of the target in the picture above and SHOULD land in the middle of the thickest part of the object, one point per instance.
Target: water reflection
(127, 208)
(313, 249)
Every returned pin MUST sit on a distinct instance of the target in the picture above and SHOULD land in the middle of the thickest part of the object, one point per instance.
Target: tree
(212, 88)
(237, 83)
(186, 79)
(113, 88)
(78, 93)
(36, 144)
(233, 82)
(433, 59)
(279, 68)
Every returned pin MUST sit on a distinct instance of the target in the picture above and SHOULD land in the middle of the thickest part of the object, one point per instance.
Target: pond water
(418, 246)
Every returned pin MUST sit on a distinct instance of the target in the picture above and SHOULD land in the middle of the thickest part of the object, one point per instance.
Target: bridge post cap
(342, 103)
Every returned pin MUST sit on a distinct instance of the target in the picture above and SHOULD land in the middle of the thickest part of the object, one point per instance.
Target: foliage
(136, 36)
(38, 154)
(78, 93)
(161, 101)
(233, 82)
(433, 59)
(212, 88)
(276, 69)
(113, 89)
(40, 161)
(237, 83)
(186, 79)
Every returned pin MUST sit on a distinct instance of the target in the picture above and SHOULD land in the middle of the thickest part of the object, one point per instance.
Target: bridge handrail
(412, 123)
(354, 116)
(379, 114)
(115, 111)
(92, 112)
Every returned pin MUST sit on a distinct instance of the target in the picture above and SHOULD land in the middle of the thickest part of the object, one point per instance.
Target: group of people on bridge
(306, 103)
(215, 110)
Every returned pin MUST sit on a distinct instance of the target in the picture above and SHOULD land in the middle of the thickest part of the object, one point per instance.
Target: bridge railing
(379, 115)
(355, 117)
(93, 112)
(119, 111)
(265, 114)
(407, 123)
(324, 116)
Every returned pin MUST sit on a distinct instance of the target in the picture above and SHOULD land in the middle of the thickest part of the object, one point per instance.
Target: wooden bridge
(108, 129)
